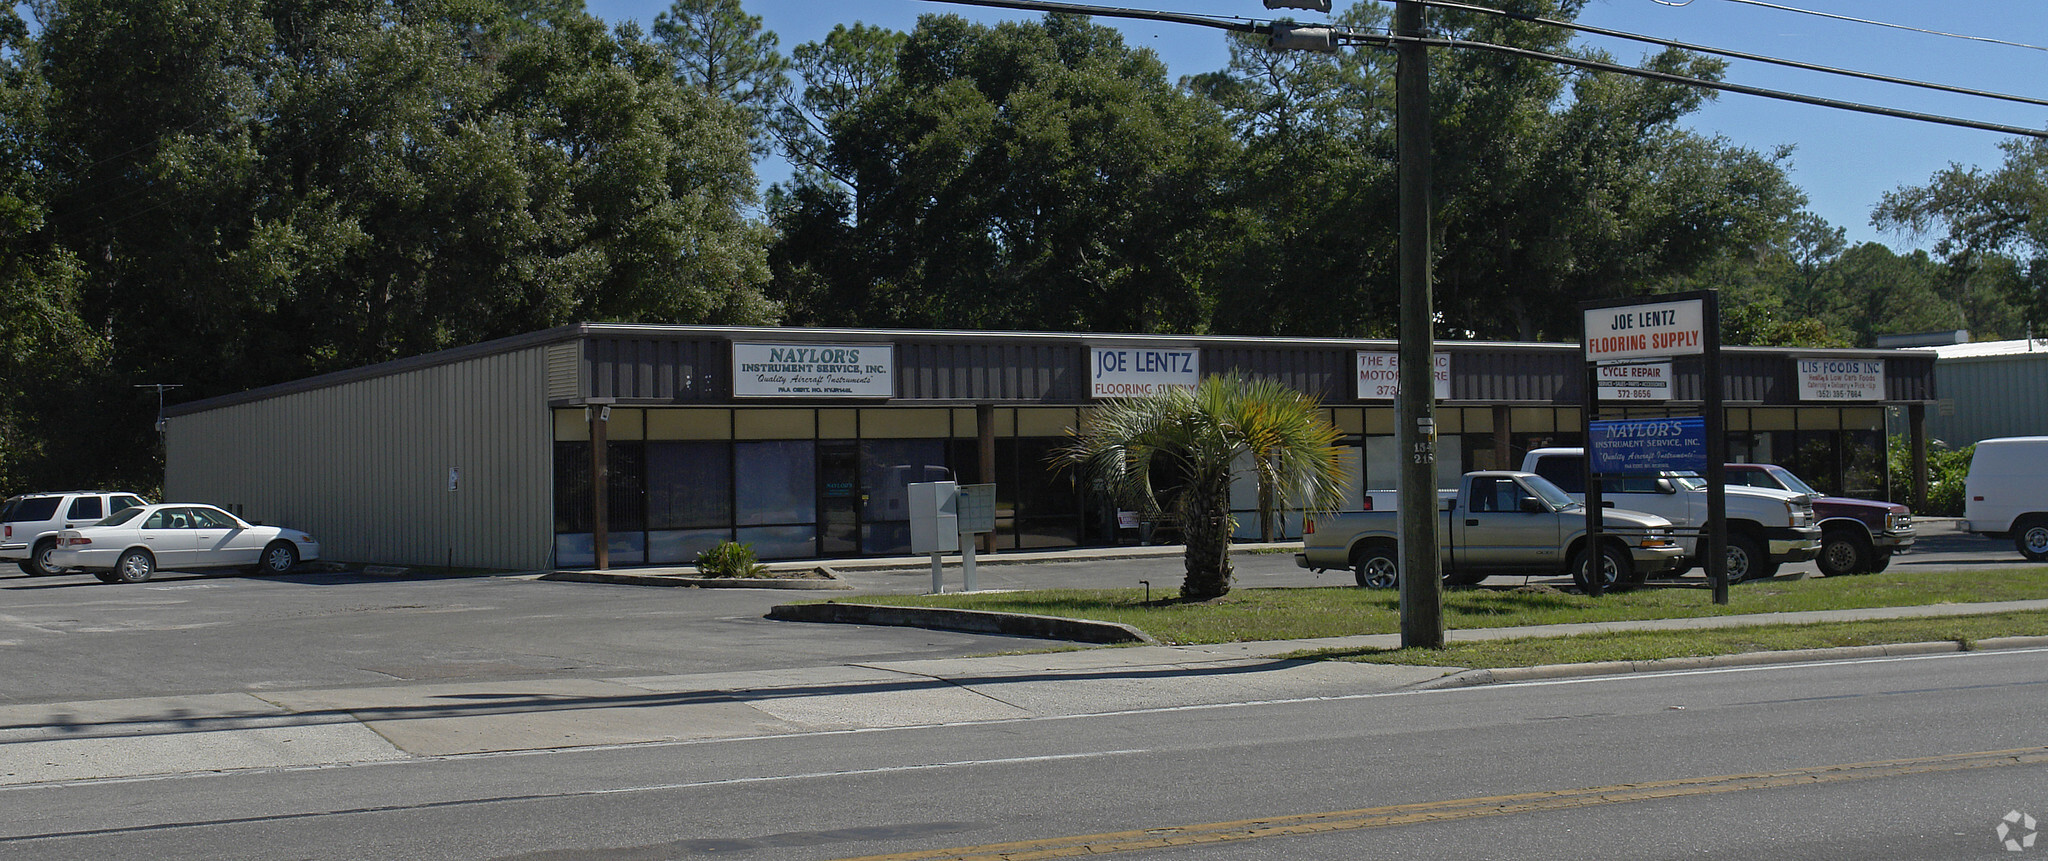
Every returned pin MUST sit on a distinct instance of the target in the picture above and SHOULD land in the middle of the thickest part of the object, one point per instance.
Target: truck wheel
(39, 564)
(1747, 560)
(1842, 551)
(1617, 573)
(1375, 566)
(2032, 539)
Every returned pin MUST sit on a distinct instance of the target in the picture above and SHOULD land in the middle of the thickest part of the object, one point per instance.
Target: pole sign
(1636, 382)
(1379, 376)
(1138, 372)
(1648, 331)
(1841, 379)
(1648, 446)
(813, 370)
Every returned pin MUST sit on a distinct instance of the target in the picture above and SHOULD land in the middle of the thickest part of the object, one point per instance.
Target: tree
(1029, 175)
(720, 49)
(1178, 452)
(1995, 224)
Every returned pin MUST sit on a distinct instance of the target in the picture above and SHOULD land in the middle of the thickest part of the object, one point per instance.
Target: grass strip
(1305, 613)
(1652, 645)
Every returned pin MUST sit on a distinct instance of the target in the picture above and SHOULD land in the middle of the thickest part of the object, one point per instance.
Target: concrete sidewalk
(231, 731)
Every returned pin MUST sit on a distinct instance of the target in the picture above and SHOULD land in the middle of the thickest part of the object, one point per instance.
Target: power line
(1739, 55)
(1819, 14)
(1244, 26)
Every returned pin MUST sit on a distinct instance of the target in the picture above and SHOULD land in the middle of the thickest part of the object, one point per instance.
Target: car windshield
(34, 508)
(1687, 480)
(120, 517)
(1550, 492)
(1792, 482)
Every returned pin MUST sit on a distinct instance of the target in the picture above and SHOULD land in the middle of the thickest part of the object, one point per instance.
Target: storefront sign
(1646, 331)
(1648, 382)
(1137, 372)
(1379, 376)
(1841, 379)
(813, 370)
(1649, 446)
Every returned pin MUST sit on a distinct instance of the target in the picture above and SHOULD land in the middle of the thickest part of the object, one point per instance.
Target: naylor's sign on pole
(1648, 446)
(1648, 331)
(1141, 372)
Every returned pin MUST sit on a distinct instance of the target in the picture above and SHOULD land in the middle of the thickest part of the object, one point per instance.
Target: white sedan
(136, 542)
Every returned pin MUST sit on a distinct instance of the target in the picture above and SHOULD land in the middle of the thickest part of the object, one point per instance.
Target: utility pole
(1422, 599)
(163, 445)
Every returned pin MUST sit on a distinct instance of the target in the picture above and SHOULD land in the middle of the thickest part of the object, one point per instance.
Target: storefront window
(888, 468)
(777, 483)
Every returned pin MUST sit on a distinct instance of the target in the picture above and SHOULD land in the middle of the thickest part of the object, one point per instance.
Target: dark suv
(1858, 536)
(29, 523)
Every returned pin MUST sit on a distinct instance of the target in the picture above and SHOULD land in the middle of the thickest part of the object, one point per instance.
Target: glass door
(838, 498)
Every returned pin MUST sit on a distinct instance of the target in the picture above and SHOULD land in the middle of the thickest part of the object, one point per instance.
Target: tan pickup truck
(1498, 522)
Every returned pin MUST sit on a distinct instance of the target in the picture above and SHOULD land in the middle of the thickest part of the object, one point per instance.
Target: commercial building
(1985, 389)
(801, 441)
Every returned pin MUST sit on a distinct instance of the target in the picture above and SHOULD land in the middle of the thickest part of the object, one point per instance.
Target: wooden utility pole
(1422, 599)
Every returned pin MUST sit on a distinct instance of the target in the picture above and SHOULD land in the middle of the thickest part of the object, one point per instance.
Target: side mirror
(1532, 505)
(1664, 485)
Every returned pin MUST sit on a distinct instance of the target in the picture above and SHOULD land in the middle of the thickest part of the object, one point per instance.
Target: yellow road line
(1463, 808)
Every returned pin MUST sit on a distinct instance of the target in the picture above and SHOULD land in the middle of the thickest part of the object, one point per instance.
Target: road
(1718, 764)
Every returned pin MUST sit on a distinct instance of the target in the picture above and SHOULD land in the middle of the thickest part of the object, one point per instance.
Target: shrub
(730, 559)
(1946, 470)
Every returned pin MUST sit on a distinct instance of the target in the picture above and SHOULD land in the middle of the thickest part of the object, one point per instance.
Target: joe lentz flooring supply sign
(1841, 379)
(1649, 446)
(813, 370)
(1646, 331)
(1139, 372)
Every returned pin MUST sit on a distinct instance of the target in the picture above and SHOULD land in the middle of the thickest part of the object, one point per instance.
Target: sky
(1845, 162)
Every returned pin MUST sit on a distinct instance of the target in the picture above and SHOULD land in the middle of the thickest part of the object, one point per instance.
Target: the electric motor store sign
(1646, 331)
(1140, 372)
(1379, 376)
(813, 370)
(1647, 381)
(1841, 379)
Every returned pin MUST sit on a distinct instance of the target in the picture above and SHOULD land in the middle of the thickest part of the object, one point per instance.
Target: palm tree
(1177, 452)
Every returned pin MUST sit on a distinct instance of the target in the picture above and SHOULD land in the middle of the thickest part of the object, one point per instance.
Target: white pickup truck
(1498, 522)
(1766, 527)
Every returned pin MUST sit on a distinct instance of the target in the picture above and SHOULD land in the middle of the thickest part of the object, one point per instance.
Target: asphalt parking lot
(71, 637)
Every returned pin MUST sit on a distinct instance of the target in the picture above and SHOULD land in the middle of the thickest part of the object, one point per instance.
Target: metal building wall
(1989, 396)
(364, 465)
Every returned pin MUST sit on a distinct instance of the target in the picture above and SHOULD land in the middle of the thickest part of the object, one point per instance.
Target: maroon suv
(1858, 536)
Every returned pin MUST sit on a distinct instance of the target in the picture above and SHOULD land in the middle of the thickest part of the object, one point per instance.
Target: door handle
(1472, 522)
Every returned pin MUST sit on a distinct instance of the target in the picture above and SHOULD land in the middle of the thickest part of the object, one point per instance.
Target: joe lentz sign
(1138, 372)
(1646, 331)
(813, 370)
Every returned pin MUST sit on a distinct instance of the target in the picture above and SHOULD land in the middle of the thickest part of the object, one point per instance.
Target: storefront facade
(801, 442)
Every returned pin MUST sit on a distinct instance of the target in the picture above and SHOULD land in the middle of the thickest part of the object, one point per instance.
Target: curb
(1506, 675)
(831, 580)
(969, 621)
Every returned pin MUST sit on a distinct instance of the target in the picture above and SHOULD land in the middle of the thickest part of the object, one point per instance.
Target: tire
(38, 562)
(1747, 560)
(1842, 551)
(1879, 561)
(279, 558)
(1465, 578)
(1375, 566)
(136, 566)
(1617, 571)
(107, 576)
(2031, 539)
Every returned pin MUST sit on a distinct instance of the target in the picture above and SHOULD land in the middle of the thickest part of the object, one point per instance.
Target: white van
(2007, 493)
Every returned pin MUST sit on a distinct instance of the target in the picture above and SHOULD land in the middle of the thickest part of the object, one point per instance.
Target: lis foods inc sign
(813, 370)
(1841, 379)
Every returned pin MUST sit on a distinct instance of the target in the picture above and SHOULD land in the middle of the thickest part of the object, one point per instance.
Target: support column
(985, 446)
(600, 414)
(1916, 420)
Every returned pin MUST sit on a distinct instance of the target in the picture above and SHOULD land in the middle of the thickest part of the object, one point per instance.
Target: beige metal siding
(364, 466)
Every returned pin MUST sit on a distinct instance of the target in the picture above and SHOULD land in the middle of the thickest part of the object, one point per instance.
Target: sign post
(1628, 344)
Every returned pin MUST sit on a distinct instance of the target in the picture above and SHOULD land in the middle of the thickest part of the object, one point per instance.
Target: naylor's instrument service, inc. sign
(813, 370)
